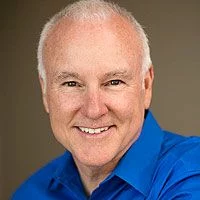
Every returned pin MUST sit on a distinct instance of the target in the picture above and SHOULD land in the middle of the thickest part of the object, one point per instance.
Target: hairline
(67, 13)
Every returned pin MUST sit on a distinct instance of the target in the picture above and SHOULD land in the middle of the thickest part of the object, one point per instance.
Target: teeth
(93, 131)
(86, 130)
(98, 130)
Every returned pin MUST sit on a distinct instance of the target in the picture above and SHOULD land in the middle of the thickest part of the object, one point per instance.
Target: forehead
(113, 38)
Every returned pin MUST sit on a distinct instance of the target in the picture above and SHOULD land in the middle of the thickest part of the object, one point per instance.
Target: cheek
(128, 104)
(62, 109)
(63, 103)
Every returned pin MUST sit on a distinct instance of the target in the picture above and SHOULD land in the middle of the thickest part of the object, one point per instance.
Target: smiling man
(96, 78)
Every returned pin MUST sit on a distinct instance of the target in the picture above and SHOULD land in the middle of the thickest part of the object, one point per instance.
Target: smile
(93, 130)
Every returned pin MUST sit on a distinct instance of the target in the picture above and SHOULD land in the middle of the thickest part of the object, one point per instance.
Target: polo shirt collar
(137, 166)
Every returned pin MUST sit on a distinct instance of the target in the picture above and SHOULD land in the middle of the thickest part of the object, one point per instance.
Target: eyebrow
(118, 73)
(112, 74)
(65, 75)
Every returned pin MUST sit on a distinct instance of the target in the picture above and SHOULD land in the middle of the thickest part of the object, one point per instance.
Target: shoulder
(38, 183)
(178, 168)
(181, 149)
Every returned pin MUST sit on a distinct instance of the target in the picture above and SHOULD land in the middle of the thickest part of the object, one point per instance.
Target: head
(96, 77)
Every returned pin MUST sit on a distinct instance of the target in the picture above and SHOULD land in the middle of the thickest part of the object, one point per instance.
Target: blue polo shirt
(159, 165)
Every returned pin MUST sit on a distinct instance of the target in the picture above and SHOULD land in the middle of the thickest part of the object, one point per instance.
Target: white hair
(93, 10)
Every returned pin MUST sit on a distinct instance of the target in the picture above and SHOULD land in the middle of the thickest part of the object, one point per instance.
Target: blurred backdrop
(26, 141)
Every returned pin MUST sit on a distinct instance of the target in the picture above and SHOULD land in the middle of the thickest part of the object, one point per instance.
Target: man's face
(95, 93)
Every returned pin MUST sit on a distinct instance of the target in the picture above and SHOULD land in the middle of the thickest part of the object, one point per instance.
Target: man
(96, 78)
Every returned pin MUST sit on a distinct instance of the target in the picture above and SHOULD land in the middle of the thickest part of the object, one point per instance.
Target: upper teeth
(93, 130)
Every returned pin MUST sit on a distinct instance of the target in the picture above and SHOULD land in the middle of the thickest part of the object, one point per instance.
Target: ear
(148, 85)
(44, 94)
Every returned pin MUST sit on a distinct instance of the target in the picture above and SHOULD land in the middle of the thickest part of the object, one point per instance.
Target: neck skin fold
(91, 177)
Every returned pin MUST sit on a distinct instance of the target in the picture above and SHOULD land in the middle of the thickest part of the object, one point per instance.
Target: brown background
(26, 140)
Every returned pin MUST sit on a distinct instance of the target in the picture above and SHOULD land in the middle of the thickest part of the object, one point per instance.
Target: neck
(92, 176)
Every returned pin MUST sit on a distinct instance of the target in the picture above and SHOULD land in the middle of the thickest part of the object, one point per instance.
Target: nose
(94, 106)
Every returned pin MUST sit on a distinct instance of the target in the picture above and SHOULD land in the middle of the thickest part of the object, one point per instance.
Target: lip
(95, 135)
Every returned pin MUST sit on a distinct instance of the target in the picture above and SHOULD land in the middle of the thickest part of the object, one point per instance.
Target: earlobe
(148, 85)
(44, 94)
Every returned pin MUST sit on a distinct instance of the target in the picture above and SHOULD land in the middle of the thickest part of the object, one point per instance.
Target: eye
(70, 84)
(114, 82)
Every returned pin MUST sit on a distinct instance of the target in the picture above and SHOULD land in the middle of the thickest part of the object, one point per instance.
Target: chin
(95, 160)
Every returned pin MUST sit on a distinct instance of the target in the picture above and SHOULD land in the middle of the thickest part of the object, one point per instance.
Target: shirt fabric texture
(159, 166)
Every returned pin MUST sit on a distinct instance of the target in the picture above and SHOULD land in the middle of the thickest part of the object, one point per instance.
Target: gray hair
(93, 10)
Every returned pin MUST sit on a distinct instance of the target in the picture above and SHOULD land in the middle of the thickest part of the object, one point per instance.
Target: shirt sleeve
(186, 187)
